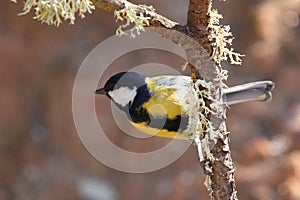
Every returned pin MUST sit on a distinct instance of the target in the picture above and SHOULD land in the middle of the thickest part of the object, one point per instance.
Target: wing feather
(168, 96)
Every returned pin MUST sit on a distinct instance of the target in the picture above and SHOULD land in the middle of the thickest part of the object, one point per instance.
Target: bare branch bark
(197, 22)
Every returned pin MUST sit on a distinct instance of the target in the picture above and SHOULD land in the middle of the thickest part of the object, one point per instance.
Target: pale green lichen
(222, 39)
(200, 125)
(133, 16)
(53, 12)
(222, 75)
(208, 183)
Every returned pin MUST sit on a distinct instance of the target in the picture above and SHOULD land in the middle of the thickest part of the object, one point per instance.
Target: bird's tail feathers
(256, 91)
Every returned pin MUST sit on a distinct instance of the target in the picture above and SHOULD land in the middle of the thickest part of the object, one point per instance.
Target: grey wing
(181, 85)
(173, 81)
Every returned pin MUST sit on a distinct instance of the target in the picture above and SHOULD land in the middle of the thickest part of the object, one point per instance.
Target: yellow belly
(160, 132)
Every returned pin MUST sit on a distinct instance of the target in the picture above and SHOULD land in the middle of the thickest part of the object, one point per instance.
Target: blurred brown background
(42, 157)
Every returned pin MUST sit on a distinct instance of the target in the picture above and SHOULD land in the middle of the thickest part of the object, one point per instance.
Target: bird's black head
(123, 79)
(124, 87)
(112, 83)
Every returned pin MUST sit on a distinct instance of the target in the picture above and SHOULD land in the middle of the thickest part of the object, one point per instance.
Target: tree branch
(222, 183)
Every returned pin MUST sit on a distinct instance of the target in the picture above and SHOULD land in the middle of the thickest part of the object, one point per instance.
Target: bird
(159, 106)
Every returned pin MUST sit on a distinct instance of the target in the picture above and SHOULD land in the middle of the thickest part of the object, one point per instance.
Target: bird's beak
(100, 91)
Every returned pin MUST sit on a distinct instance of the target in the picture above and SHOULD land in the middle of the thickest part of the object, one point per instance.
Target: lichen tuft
(131, 15)
(222, 38)
(53, 12)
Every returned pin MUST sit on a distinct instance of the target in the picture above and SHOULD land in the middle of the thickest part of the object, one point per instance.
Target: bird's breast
(164, 114)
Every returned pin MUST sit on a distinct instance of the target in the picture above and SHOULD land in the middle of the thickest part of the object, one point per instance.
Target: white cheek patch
(123, 95)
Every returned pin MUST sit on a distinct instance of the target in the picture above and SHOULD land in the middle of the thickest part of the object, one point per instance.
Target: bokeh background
(42, 157)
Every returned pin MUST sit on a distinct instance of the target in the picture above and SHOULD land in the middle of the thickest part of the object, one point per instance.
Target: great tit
(159, 105)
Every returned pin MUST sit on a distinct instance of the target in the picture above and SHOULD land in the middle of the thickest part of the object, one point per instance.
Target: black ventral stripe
(179, 123)
(141, 115)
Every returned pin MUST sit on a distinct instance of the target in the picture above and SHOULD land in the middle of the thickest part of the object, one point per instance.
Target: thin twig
(156, 20)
